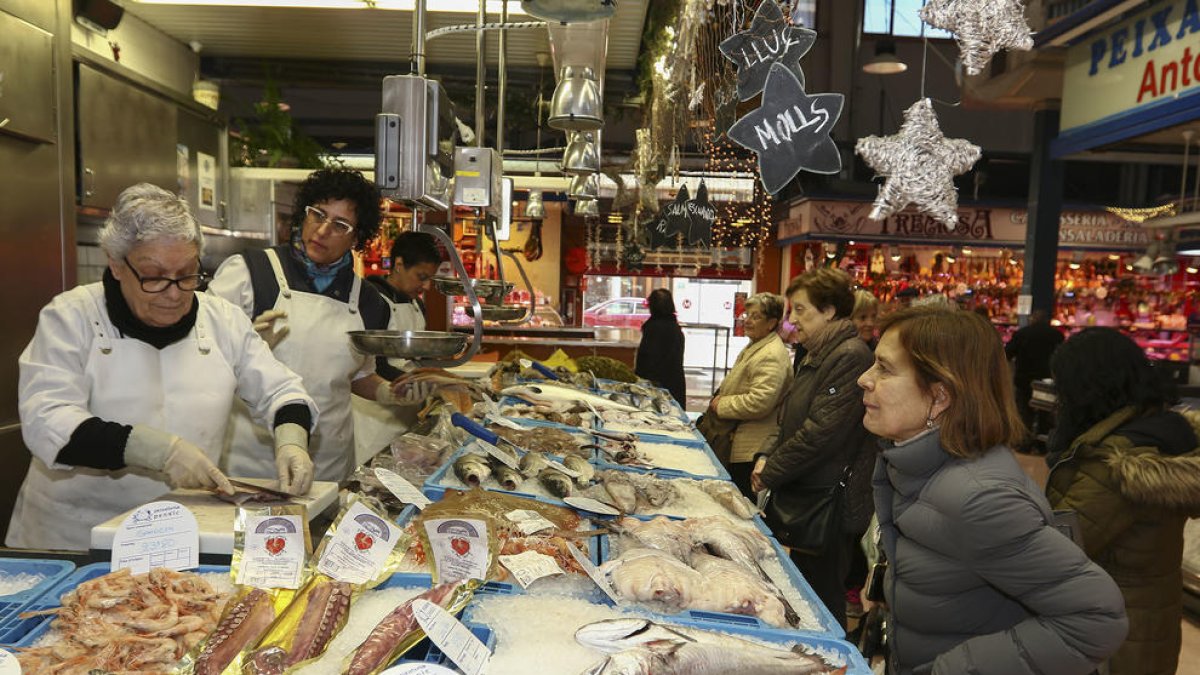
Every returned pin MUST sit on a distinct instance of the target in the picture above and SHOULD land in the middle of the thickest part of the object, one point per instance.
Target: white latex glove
(264, 324)
(185, 464)
(292, 463)
(410, 393)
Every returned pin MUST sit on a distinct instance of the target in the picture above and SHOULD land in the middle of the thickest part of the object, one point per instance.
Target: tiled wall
(91, 263)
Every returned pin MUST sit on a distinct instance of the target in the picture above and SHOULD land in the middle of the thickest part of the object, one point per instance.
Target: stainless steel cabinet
(126, 136)
(26, 80)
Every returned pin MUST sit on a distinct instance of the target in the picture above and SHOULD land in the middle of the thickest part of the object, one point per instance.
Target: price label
(593, 505)
(529, 522)
(593, 573)
(504, 422)
(404, 490)
(419, 669)
(505, 458)
(159, 534)
(9, 664)
(273, 555)
(459, 548)
(558, 466)
(529, 566)
(454, 639)
(359, 549)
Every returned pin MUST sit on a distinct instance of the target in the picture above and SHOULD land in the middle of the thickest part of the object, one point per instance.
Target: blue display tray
(700, 445)
(12, 626)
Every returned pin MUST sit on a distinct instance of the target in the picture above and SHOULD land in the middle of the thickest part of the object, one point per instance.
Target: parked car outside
(618, 312)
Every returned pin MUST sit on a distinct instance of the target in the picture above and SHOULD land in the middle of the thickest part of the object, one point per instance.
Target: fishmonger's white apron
(318, 350)
(185, 389)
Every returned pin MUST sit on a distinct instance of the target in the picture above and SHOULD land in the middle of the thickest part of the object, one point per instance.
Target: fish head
(613, 635)
(631, 662)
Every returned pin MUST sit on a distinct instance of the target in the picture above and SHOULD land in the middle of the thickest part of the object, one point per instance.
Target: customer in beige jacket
(752, 391)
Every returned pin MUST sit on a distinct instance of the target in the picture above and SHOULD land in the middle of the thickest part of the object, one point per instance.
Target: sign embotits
(1148, 58)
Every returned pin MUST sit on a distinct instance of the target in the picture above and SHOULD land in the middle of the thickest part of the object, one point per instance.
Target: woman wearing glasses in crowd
(304, 296)
(125, 388)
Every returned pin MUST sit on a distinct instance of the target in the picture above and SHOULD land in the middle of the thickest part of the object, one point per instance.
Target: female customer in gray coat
(979, 581)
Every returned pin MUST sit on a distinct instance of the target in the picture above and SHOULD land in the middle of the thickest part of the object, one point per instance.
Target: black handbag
(807, 519)
(719, 434)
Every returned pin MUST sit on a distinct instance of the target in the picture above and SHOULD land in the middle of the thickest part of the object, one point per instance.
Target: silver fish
(532, 463)
(554, 392)
(558, 483)
(579, 465)
(472, 469)
(508, 477)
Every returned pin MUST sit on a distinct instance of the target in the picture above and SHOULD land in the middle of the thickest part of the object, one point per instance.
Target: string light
(1144, 214)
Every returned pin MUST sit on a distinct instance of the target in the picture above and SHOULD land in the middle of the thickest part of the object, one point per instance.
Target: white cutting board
(215, 517)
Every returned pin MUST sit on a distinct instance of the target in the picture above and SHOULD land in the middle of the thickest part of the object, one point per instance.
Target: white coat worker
(415, 261)
(126, 387)
(304, 297)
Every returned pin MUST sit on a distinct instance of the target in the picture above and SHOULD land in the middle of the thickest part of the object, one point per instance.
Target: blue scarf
(321, 275)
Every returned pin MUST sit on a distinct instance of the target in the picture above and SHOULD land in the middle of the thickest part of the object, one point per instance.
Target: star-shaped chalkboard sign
(770, 39)
(981, 27)
(919, 164)
(790, 130)
(672, 220)
(701, 216)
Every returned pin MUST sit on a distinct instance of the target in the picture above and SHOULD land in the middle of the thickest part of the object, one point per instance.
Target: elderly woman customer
(820, 421)
(979, 580)
(1129, 467)
(126, 386)
(751, 393)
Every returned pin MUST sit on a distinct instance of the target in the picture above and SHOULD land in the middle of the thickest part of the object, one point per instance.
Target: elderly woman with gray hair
(127, 384)
(750, 395)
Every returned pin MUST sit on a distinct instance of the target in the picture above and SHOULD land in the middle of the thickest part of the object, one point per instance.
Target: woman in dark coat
(1130, 470)
(660, 354)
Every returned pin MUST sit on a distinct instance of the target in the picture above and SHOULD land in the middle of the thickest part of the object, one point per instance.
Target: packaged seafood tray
(815, 617)
(671, 457)
(33, 628)
(36, 577)
(425, 651)
(546, 628)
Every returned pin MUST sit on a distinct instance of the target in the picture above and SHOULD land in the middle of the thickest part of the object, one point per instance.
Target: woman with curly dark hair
(304, 296)
(1130, 469)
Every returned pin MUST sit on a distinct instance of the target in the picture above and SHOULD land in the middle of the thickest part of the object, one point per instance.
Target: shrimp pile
(127, 623)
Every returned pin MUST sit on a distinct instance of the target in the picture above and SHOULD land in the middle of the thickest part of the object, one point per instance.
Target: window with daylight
(804, 13)
(898, 17)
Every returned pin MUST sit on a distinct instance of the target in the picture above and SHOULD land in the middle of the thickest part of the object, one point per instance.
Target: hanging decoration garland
(919, 165)
(981, 27)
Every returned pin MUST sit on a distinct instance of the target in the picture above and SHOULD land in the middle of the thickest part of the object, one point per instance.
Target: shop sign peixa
(1149, 58)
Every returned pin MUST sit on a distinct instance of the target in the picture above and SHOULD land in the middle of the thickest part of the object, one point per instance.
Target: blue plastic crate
(514, 401)
(12, 627)
(829, 626)
(667, 472)
(37, 626)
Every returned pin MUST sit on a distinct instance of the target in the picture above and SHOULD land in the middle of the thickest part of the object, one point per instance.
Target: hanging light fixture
(534, 208)
(570, 11)
(581, 155)
(587, 207)
(885, 61)
(1145, 263)
(1166, 262)
(585, 187)
(894, 253)
(576, 104)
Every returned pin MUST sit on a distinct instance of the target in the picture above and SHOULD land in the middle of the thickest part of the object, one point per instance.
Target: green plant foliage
(272, 139)
(660, 15)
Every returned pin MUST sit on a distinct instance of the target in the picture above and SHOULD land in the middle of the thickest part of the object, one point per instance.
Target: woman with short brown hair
(979, 580)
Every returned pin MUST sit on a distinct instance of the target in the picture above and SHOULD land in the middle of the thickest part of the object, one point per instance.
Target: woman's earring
(928, 422)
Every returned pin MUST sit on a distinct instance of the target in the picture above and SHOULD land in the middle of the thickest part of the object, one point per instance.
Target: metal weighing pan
(489, 291)
(408, 344)
(501, 312)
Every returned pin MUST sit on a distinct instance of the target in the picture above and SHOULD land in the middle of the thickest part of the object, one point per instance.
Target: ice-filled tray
(673, 457)
(12, 626)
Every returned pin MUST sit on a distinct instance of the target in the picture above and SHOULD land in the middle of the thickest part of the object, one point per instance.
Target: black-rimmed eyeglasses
(191, 282)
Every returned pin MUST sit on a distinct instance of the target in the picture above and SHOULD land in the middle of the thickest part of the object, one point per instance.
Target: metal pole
(418, 55)
(502, 63)
(480, 71)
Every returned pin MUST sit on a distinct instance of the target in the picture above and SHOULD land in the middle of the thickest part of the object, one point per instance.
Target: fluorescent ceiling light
(454, 6)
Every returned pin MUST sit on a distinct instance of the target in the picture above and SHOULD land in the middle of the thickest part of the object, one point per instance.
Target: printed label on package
(273, 556)
(529, 566)
(359, 549)
(404, 490)
(9, 664)
(419, 669)
(459, 548)
(454, 639)
(593, 505)
(159, 534)
(529, 522)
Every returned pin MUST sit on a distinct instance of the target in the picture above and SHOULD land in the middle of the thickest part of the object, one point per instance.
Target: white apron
(408, 315)
(185, 389)
(318, 350)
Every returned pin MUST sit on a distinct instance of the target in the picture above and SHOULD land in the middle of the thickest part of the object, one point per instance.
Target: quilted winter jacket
(821, 418)
(751, 393)
(978, 580)
(1133, 492)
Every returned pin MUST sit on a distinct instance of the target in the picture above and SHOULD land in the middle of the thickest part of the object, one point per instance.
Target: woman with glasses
(304, 297)
(751, 392)
(125, 388)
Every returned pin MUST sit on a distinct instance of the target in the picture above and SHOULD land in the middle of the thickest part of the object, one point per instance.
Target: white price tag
(159, 534)
(529, 522)
(529, 566)
(1024, 304)
(273, 556)
(419, 669)
(593, 572)
(360, 547)
(404, 490)
(593, 505)
(9, 664)
(460, 548)
(454, 639)
(504, 422)
(507, 459)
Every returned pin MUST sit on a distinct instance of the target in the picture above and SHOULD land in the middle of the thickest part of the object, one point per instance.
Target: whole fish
(508, 477)
(581, 466)
(623, 492)
(532, 463)
(472, 469)
(555, 392)
(556, 482)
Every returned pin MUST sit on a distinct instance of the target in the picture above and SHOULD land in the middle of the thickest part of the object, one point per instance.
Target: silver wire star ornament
(919, 164)
(981, 27)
